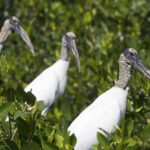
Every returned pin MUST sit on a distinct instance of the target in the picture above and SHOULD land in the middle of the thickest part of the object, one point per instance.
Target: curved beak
(139, 65)
(21, 32)
(75, 53)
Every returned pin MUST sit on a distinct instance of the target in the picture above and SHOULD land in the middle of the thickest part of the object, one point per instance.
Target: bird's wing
(104, 112)
(44, 87)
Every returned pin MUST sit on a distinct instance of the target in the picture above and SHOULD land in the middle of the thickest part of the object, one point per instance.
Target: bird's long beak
(75, 53)
(21, 32)
(139, 65)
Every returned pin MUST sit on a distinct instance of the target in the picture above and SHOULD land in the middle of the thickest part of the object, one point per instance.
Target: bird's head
(133, 60)
(69, 42)
(13, 24)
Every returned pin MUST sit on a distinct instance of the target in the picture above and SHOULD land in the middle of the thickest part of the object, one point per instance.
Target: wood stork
(108, 109)
(52, 81)
(11, 25)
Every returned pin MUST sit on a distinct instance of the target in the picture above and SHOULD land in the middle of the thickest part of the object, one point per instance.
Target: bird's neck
(4, 33)
(64, 53)
(124, 73)
(1, 46)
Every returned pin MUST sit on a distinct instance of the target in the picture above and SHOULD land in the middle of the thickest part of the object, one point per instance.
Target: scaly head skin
(11, 25)
(68, 41)
(130, 59)
(135, 61)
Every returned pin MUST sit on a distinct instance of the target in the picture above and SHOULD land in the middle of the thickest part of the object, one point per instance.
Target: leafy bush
(103, 29)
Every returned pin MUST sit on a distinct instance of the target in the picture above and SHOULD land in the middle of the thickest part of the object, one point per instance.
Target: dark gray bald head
(133, 59)
(12, 24)
(131, 56)
(128, 60)
(68, 41)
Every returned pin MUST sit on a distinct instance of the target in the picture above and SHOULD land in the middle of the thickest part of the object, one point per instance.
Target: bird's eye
(72, 38)
(66, 37)
(131, 54)
(128, 63)
(15, 21)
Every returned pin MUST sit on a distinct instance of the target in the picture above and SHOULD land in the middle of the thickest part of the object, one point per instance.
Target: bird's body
(105, 112)
(11, 25)
(108, 109)
(50, 83)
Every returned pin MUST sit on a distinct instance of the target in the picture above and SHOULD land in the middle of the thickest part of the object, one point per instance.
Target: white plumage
(52, 81)
(108, 109)
(105, 112)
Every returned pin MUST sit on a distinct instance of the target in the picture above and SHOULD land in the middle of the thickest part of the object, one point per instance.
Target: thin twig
(14, 134)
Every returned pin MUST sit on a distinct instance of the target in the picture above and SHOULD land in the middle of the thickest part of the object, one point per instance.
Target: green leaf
(73, 140)
(40, 105)
(108, 134)
(11, 145)
(52, 135)
(30, 98)
(59, 140)
(10, 94)
(117, 131)
(94, 147)
(4, 109)
(19, 113)
(23, 127)
(129, 127)
(37, 139)
(34, 146)
(103, 141)
(49, 146)
(130, 142)
(122, 124)
(6, 128)
(145, 133)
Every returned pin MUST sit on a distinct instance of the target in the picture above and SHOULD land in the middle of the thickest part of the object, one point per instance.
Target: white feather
(50, 83)
(105, 112)
(1, 46)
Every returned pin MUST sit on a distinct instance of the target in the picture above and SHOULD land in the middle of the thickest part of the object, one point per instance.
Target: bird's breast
(62, 84)
(61, 72)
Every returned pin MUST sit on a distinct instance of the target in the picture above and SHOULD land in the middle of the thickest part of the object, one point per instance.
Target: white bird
(108, 109)
(11, 25)
(52, 81)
